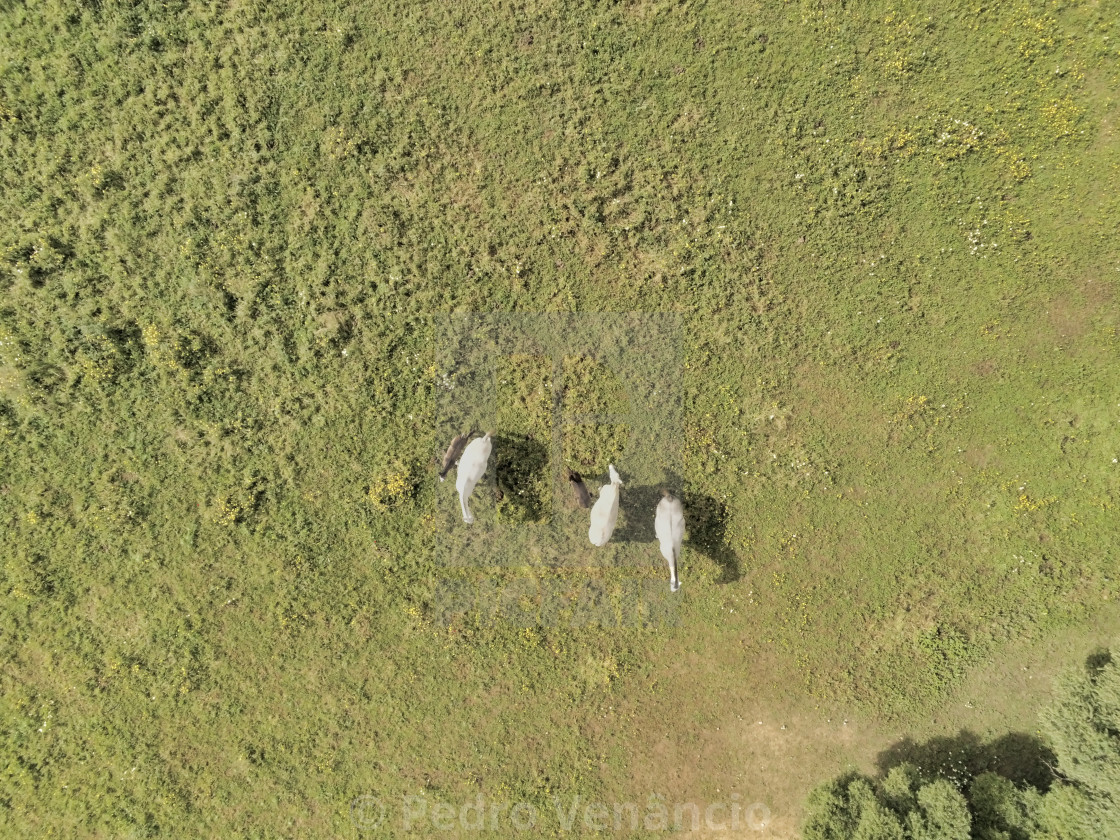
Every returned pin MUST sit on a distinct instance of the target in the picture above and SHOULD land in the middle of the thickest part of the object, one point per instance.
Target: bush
(948, 802)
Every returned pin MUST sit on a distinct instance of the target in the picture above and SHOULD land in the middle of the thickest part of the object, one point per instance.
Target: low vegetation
(237, 243)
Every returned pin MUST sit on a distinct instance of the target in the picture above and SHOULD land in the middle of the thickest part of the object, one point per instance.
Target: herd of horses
(668, 523)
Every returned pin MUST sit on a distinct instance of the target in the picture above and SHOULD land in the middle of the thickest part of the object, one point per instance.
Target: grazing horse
(668, 525)
(471, 468)
(605, 513)
(453, 453)
(583, 498)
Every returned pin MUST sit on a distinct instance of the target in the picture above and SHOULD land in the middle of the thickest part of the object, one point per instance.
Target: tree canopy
(946, 802)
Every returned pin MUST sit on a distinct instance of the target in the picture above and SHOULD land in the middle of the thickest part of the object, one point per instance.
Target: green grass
(231, 238)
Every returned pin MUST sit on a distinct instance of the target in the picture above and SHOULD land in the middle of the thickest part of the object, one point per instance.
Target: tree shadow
(1022, 758)
(1097, 660)
(521, 476)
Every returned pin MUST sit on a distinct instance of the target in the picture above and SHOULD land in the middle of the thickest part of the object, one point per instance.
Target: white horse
(471, 468)
(604, 514)
(668, 525)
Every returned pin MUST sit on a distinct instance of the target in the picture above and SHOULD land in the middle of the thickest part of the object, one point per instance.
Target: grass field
(878, 247)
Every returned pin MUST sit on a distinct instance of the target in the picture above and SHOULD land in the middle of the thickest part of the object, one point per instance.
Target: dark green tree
(956, 801)
(1083, 725)
(942, 813)
(848, 808)
(903, 807)
(1000, 810)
